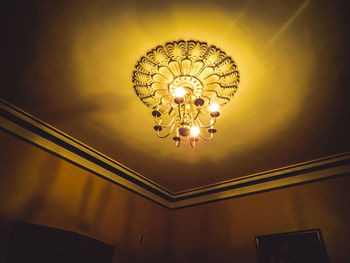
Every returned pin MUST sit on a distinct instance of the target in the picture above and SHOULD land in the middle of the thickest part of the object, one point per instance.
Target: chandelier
(185, 83)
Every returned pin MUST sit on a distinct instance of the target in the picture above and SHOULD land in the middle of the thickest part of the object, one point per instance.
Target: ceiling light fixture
(185, 83)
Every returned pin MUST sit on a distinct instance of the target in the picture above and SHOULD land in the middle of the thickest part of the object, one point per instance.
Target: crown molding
(25, 126)
(34, 131)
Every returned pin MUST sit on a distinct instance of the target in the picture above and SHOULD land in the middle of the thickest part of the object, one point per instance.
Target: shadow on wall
(87, 190)
(48, 174)
(103, 201)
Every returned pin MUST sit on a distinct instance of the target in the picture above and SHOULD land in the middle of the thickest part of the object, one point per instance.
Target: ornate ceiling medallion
(185, 83)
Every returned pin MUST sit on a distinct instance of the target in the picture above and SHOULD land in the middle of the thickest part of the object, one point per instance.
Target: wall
(38, 187)
(224, 231)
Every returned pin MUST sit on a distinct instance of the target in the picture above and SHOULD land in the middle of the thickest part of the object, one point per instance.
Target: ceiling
(69, 63)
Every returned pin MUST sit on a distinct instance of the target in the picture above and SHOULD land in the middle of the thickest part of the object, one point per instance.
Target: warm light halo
(195, 131)
(179, 92)
(214, 107)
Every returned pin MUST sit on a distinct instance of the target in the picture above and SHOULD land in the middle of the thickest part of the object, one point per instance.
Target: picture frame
(292, 247)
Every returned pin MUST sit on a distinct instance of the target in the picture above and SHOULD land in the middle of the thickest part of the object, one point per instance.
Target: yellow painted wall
(38, 187)
(224, 231)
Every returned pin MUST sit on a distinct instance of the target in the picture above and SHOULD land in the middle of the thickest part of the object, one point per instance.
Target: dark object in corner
(293, 247)
(31, 243)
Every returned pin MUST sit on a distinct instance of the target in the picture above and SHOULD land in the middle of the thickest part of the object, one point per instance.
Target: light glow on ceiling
(185, 82)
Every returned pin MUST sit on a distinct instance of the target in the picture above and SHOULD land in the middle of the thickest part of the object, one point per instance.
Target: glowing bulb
(194, 131)
(214, 107)
(179, 92)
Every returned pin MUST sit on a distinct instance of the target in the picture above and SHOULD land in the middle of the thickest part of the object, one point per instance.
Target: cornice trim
(27, 127)
(32, 130)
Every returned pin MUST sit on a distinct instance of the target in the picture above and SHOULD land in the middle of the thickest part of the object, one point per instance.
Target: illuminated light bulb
(179, 92)
(214, 107)
(194, 131)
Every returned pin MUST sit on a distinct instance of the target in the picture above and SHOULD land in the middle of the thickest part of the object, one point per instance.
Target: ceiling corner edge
(20, 124)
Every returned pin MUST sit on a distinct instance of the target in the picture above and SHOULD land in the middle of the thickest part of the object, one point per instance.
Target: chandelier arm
(171, 110)
(179, 110)
(161, 136)
(152, 96)
(206, 139)
(198, 111)
(164, 126)
(208, 126)
(161, 99)
(184, 114)
(161, 102)
(172, 127)
(164, 136)
(196, 117)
